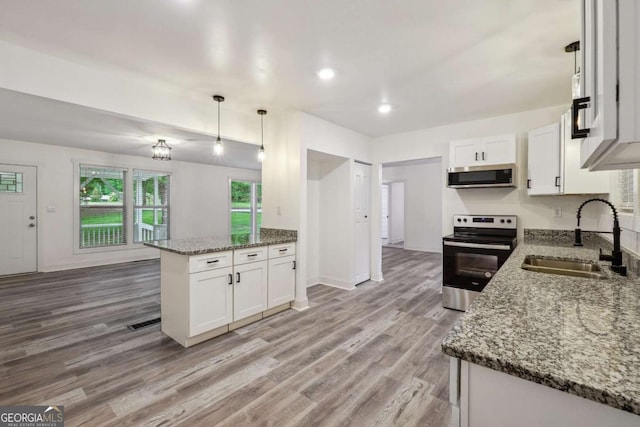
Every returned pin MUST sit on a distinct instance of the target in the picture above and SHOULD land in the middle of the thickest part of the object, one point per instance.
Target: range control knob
(508, 221)
(465, 220)
(502, 221)
(459, 220)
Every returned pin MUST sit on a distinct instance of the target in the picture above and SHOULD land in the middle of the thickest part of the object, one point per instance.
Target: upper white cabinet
(494, 150)
(607, 114)
(554, 163)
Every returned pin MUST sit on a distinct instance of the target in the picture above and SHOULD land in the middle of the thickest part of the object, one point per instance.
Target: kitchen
(296, 183)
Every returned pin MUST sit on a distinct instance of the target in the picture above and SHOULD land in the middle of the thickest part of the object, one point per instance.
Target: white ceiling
(31, 118)
(434, 61)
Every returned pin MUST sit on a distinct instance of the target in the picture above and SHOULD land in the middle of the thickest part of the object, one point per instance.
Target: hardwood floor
(368, 357)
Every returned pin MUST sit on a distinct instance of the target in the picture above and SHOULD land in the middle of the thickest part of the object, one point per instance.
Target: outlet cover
(557, 212)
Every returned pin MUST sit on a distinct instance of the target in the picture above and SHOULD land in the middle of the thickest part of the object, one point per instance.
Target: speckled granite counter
(204, 245)
(577, 335)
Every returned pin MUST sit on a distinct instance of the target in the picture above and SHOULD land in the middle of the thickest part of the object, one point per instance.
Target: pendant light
(261, 152)
(575, 79)
(161, 151)
(217, 146)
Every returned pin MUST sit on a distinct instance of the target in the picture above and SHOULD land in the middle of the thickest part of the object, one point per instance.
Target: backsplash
(278, 232)
(589, 238)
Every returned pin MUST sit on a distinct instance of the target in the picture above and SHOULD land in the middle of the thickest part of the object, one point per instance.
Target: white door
(282, 280)
(18, 221)
(544, 161)
(498, 150)
(210, 300)
(464, 152)
(250, 289)
(384, 232)
(362, 189)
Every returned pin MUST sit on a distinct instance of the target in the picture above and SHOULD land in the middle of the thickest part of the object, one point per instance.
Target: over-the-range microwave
(482, 176)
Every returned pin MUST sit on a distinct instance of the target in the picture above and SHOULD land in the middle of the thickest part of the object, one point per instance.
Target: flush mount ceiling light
(217, 146)
(384, 108)
(161, 151)
(261, 152)
(326, 74)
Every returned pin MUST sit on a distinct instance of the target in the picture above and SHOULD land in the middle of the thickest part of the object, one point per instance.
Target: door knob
(32, 225)
(32, 217)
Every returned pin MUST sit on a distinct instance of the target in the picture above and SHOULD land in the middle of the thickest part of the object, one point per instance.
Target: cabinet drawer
(243, 256)
(285, 249)
(210, 261)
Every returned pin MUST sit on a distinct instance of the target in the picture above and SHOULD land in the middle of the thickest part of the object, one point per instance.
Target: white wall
(313, 223)
(423, 201)
(532, 212)
(199, 200)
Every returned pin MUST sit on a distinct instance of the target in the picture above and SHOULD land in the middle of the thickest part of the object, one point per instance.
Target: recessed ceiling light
(326, 74)
(384, 108)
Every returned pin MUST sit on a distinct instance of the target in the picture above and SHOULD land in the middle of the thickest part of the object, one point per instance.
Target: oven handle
(478, 245)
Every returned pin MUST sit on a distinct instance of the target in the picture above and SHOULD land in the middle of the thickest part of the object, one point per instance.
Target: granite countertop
(577, 335)
(205, 245)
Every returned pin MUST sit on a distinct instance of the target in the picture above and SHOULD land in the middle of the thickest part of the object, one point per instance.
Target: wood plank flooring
(368, 357)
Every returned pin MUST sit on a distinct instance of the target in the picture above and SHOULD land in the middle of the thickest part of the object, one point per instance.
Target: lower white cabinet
(249, 289)
(210, 300)
(282, 280)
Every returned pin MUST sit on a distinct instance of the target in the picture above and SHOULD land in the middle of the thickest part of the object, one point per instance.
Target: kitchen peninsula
(554, 350)
(212, 285)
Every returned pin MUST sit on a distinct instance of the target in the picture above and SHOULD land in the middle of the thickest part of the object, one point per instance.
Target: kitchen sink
(573, 268)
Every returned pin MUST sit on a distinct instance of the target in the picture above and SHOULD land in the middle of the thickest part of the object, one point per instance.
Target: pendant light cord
(262, 130)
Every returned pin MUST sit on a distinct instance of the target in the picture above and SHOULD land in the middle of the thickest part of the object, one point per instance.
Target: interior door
(362, 187)
(18, 221)
(384, 232)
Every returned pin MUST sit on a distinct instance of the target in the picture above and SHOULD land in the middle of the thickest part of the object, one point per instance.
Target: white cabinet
(249, 289)
(543, 176)
(282, 280)
(210, 300)
(609, 109)
(494, 150)
(554, 163)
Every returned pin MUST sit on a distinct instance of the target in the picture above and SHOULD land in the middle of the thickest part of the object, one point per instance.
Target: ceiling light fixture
(217, 146)
(326, 74)
(261, 152)
(384, 108)
(161, 151)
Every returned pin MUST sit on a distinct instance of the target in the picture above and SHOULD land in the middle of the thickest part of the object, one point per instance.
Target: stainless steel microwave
(482, 176)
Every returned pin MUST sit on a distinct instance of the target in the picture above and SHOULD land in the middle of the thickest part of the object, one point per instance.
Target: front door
(18, 222)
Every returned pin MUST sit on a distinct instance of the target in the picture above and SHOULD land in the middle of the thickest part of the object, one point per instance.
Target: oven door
(469, 265)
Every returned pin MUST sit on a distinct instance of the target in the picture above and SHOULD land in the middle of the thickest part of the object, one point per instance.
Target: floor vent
(141, 325)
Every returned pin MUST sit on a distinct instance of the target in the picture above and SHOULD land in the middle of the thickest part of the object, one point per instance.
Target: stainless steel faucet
(616, 254)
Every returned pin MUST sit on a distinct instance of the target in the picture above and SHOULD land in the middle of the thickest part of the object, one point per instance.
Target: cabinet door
(544, 161)
(498, 150)
(599, 77)
(250, 289)
(282, 281)
(210, 300)
(464, 152)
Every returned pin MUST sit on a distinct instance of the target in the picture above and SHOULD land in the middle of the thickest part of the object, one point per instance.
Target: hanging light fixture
(261, 152)
(161, 151)
(217, 146)
(575, 79)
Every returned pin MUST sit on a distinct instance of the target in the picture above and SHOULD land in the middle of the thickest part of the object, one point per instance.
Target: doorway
(395, 214)
(18, 228)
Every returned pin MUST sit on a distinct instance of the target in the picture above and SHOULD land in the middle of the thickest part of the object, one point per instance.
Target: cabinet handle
(283, 250)
(476, 156)
(528, 183)
(230, 279)
(294, 265)
(237, 277)
(251, 255)
(577, 105)
(483, 155)
(557, 181)
(213, 261)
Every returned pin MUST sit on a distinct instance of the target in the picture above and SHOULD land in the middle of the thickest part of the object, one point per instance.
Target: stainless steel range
(472, 255)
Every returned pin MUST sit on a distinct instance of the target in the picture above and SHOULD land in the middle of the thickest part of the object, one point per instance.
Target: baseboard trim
(336, 283)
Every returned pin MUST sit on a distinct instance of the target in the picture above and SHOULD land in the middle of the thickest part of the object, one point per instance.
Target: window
(102, 207)
(10, 182)
(246, 206)
(626, 199)
(151, 206)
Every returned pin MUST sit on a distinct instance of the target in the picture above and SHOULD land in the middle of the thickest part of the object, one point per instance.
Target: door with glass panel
(246, 206)
(18, 220)
(151, 206)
